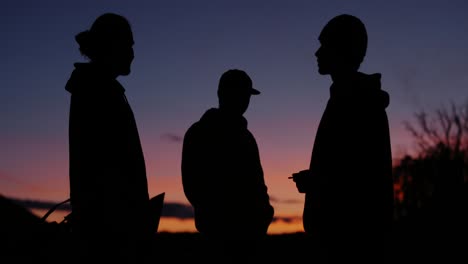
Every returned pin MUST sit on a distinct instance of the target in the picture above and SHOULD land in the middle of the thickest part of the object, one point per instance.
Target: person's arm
(302, 180)
(192, 166)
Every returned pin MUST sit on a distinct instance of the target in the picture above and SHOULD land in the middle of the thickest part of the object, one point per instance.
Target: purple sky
(181, 49)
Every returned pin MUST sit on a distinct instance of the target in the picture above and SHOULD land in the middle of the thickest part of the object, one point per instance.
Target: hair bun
(83, 37)
(84, 40)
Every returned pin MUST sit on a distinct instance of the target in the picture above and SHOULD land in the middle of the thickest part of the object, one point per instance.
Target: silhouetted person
(222, 174)
(108, 184)
(348, 187)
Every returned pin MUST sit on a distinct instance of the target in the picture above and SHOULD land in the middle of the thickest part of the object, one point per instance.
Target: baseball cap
(236, 80)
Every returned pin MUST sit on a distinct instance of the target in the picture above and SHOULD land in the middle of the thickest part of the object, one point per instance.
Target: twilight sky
(182, 48)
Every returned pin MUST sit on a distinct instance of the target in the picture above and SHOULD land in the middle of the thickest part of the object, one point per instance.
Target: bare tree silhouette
(431, 186)
(447, 126)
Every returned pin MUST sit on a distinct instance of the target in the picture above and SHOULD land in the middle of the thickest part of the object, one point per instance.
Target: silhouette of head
(343, 43)
(109, 43)
(234, 91)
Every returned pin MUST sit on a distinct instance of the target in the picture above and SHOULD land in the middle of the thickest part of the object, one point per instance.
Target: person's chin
(323, 71)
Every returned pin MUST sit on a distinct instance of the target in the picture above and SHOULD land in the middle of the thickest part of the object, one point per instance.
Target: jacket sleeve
(192, 166)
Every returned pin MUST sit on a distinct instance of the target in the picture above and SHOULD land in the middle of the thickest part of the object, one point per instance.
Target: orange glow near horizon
(176, 225)
(164, 176)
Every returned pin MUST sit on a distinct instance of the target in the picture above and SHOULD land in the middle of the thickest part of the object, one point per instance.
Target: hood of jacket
(217, 116)
(362, 88)
(86, 77)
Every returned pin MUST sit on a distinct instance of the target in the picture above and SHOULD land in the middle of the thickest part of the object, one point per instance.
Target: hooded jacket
(223, 178)
(351, 164)
(108, 185)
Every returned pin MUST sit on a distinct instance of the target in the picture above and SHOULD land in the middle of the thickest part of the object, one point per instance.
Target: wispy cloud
(37, 204)
(287, 219)
(175, 210)
(285, 201)
(171, 137)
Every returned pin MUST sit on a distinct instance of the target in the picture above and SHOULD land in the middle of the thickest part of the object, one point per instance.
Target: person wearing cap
(222, 174)
(348, 186)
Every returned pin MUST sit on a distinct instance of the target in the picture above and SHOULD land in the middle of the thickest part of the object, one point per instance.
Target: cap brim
(254, 91)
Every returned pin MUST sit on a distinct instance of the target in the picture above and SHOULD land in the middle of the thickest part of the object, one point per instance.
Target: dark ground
(421, 239)
(408, 246)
